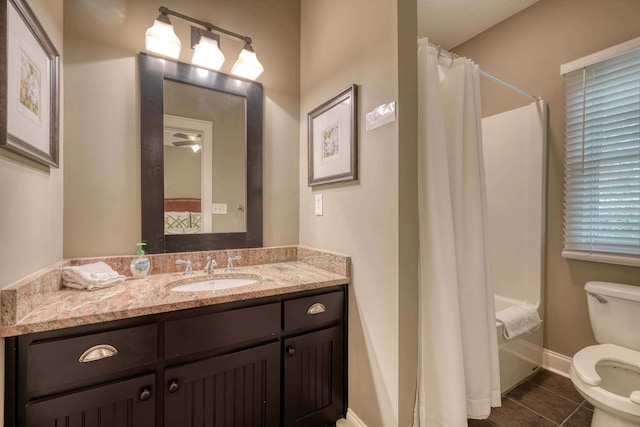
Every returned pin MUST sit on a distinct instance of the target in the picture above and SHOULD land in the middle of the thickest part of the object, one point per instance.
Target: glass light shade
(195, 148)
(247, 65)
(207, 54)
(161, 39)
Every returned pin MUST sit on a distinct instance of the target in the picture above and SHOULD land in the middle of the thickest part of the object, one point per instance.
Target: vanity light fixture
(247, 64)
(206, 50)
(161, 39)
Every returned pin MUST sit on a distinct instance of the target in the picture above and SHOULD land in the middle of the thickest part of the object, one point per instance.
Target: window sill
(629, 260)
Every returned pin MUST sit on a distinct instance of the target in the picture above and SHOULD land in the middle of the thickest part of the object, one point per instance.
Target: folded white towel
(97, 275)
(518, 320)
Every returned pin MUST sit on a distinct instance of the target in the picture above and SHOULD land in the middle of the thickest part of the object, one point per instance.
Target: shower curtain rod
(443, 52)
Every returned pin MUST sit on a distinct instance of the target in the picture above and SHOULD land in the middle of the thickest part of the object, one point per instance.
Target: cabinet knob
(291, 351)
(174, 385)
(145, 394)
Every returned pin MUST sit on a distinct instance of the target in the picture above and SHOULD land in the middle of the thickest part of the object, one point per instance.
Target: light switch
(219, 208)
(318, 204)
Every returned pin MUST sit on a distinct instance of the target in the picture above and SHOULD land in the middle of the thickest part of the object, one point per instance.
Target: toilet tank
(614, 311)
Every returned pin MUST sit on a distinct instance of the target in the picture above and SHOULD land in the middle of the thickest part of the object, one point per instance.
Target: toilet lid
(586, 360)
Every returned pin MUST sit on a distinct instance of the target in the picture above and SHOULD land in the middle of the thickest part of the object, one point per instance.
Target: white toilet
(608, 375)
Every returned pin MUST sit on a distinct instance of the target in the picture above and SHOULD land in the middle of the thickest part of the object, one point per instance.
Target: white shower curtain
(458, 365)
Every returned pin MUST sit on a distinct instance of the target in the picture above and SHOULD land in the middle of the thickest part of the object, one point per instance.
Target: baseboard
(556, 362)
(351, 421)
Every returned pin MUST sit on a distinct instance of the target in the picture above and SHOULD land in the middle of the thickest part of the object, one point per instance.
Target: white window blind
(602, 161)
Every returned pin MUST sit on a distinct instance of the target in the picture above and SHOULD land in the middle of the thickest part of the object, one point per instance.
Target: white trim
(556, 362)
(351, 421)
(631, 260)
(585, 61)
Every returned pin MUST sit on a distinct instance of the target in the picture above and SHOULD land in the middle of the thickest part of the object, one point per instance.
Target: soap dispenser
(140, 265)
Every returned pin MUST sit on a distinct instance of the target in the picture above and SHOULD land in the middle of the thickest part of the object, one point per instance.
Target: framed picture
(30, 70)
(333, 139)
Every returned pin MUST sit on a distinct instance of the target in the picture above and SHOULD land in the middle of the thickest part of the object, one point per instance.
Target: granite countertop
(65, 307)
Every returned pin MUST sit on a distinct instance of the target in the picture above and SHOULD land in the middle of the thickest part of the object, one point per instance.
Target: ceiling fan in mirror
(193, 140)
(183, 138)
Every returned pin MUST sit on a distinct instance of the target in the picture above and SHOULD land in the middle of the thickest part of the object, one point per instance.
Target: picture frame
(30, 84)
(333, 139)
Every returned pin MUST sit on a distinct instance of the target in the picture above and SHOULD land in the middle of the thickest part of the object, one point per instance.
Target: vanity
(158, 351)
(270, 353)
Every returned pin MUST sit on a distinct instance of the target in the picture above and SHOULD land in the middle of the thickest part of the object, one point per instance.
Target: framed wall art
(333, 139)
(30, 66)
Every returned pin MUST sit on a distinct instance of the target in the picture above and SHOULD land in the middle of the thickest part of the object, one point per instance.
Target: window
(602, 157)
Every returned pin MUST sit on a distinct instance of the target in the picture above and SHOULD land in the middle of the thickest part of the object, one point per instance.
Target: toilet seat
(587, 380)
(587, 359)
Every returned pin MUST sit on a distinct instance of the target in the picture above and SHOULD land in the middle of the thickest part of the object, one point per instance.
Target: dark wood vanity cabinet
(313, 360)
(233, 387)
(236, 389)
(276, 361)
(313, 378)
(127, 403)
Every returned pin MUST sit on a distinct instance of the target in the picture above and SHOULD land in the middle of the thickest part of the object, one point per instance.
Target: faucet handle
(230, 262)
(188, 271)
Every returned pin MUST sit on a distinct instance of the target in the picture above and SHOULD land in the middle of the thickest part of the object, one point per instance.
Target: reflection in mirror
(201, 158)
(204, 160)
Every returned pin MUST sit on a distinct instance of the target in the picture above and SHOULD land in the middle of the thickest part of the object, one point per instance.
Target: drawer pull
(98, 352)
(316, 308)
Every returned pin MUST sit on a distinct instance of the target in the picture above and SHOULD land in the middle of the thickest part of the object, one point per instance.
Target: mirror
(204, 160)
(201, 154)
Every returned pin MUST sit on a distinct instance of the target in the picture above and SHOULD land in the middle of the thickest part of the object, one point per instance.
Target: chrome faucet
(211, 264)
(188, 271)
(230, 263)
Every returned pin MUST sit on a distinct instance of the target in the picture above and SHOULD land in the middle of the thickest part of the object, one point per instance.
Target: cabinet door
(129, 403)
(314, 378)
(240, 389)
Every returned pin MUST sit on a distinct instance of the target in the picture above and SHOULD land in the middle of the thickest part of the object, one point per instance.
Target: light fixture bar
(209, 26)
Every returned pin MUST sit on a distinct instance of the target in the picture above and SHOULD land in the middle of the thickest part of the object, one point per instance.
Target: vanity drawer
(216, 330)
(58, 362)
(315, 310)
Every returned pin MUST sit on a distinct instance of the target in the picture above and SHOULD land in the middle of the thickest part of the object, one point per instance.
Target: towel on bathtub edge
(519, 320)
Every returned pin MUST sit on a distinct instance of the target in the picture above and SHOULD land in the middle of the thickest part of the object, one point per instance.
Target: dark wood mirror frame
(153, 72)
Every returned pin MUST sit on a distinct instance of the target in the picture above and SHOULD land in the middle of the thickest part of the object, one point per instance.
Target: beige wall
(102, 181)
(408, 227)
(527, 50)
(31, 194)
(362, 219)
(31, 197)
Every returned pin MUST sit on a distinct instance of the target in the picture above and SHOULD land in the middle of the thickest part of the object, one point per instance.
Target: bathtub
(514, 153)
(519, 357)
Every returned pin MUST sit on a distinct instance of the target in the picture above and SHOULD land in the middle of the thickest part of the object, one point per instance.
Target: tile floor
(544, 399)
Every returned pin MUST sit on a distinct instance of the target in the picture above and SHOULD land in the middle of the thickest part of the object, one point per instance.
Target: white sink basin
(213, 284)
